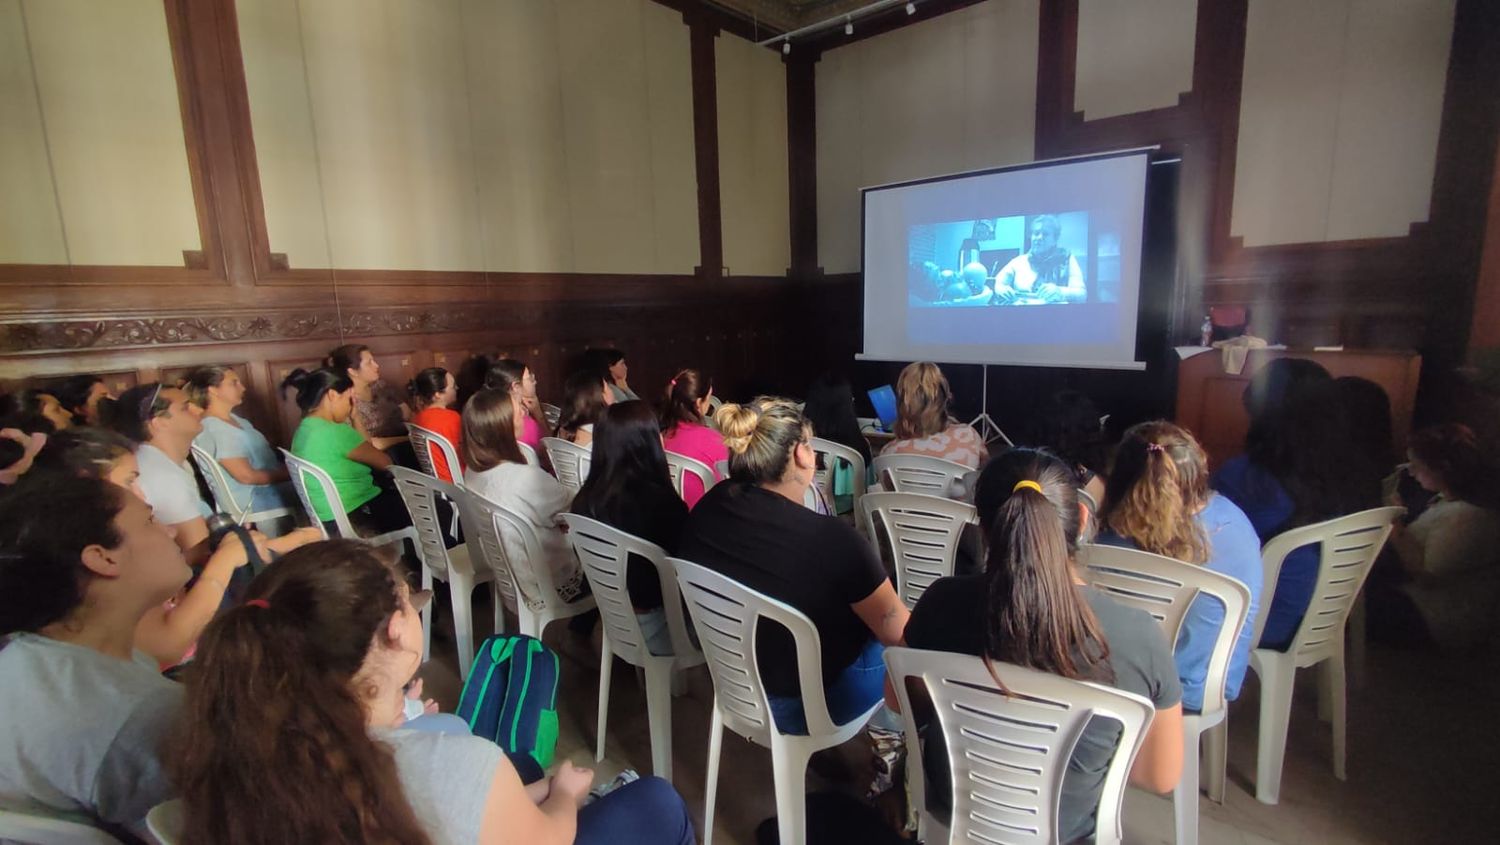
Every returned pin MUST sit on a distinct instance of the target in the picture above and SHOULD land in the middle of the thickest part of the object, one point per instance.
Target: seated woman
(612, 362)
(586, 396)
(1031, 608)
(498, 472)
(629, 488)
(326, 439)
(306, 681)
(80, 396)
(379, 414)
(755, 529)
(33, 411)
(252, 469)
(434, 391)
(923, 426)
(684, 429)
(1449, 583)
(82, 562)
(1158, 501)
(169, 632)
(1300, 467)
(163, 423)
(830, 409)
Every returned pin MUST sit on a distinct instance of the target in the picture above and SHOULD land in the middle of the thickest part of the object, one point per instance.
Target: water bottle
(1206, 332)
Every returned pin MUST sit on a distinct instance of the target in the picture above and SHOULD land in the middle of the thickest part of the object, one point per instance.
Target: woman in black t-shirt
(755, 529)
(1031, 609)
(630, 488)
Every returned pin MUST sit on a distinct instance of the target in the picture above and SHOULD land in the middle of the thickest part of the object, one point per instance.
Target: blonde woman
(1158, 500)
(755, 529)
(923, 426)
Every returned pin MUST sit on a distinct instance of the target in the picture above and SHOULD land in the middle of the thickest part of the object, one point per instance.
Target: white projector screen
(1034, 265)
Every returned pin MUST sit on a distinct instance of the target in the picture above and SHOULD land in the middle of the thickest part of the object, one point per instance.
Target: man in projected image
(1045, 273)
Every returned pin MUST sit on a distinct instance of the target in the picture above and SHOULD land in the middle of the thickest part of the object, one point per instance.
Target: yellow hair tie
(1032, 484)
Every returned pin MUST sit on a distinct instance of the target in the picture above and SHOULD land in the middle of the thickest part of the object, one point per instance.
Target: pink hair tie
(672, 383)
(261, 603)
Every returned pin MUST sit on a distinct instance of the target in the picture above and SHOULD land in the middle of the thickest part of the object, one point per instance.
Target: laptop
(884, 400)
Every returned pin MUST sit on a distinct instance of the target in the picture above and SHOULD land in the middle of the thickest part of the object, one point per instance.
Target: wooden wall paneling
(802, 164)
(706, 146)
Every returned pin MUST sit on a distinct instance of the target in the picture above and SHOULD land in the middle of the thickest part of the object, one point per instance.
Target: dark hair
(1454, 453)
(680, 400)
(1369, 410)
(1067, 424)
(627, 458)
(427, 384)
(490, 431)
(346, 357)
(23, 410)
(312, 385)
(73, 392)
(504, 373)
(44, 528)
(201, 379)
(583, 402)
(1036, 616)
(10, 452)
(1299, 433)
(603, 358)
(830, 409)
(274, 745)
(83, 451)
(1158, 483)
(132, 413)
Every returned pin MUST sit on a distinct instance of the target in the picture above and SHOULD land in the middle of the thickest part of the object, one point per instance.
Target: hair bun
(737, 425)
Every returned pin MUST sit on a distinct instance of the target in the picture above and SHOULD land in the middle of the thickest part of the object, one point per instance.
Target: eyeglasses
(146, 412)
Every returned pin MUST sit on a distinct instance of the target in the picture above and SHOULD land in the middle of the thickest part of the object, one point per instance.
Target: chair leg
(789, 770)
(499, 606)
(459, 590)
(606, 663)
(711, 777)
(427, 616)
(659, 718)
(1215, 742)
(1185, 794)
(1334, 673)
(1356, 643)
(1276, 680)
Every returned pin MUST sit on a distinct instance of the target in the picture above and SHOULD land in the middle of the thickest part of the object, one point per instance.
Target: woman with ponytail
(755, 529)
(1030, 608)
(1158, 500)
(435, 392)
(685, 429)
(293, 730)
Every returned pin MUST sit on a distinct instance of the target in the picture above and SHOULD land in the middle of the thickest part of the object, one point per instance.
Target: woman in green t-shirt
(326, 439)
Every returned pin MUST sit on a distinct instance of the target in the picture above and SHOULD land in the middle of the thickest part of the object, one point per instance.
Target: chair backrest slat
(1166, 589)
(482, 535)
(1008, 750)
(919, 474)
(419, 491)
(570, 461)
(424, 441)
(680, 465)
(832, 453)
(304, 474)
(218, 484)
(923, 533)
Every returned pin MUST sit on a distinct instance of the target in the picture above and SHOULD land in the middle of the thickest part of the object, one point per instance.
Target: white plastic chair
(923, 532)
(485, 524)
(681, 465)
(43, 830)
(605, 553)
(570, 461)
(1348, 547)
(726, 615)
(529, 454)
(218, 484)
(919, 474)
(552, 414)
(165, 821)
(454, 566)
(831, 453)
(301, 470)
(424, 441)
(1008, 753)
(1166, 588)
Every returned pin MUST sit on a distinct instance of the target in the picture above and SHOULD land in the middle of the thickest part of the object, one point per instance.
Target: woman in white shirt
(497, 471)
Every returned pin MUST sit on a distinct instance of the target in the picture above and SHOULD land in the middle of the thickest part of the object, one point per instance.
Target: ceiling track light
(848, 26)
(786, 47)
(911, 8)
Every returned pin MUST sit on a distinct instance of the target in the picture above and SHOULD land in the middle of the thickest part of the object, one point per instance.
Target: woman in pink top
(923, 426)
(685, 431)
(516, 378)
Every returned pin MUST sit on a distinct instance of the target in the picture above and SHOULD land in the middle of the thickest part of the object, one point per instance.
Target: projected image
(1000, 261)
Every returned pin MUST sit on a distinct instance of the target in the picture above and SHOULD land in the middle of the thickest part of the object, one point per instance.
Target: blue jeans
(646, 812)
(856, 688)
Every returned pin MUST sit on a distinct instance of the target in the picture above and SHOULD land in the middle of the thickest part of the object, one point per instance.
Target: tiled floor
(1423, 752)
